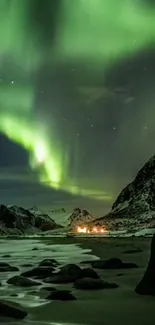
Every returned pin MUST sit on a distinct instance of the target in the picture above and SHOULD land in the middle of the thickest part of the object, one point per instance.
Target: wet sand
(111, 306)
(116, 306)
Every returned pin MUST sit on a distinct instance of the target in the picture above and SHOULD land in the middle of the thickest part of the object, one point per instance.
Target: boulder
(49, 262)
(5, 267)
(89, 273)
(63, 295)
(147, 284)
(60, 279)
(7, 310)
(72, 270)
(21, 281)
(113, 263)
(93, 284)
(40, 272)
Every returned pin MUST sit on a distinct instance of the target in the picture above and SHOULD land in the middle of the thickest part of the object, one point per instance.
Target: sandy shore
(111, 306)
(116, 306)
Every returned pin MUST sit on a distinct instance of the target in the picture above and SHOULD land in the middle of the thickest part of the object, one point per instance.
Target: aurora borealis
(77, 91)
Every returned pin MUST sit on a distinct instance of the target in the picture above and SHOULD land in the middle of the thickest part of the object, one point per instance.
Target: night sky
(77, 99)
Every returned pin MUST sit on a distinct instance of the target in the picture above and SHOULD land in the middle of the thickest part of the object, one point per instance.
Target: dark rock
(120, 274)
(5, 267)
(60, 279)
(3, 264)
(113, 263)
(48, 262)
(133, 251)
(147, 285)
(34, 249)
(89, 273)
(6, 256)
(27, 265)
(93, 284)
(63, 295)
(7, 310)
(40, 272)
(68, 274)
(72, 270)
(21, 281)
(14, 295)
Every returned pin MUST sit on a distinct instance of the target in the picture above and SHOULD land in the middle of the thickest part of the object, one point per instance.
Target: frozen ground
(110, 307)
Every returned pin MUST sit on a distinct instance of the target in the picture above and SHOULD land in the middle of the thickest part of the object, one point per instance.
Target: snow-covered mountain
(16, 220)
(79, 218)
(135, 206)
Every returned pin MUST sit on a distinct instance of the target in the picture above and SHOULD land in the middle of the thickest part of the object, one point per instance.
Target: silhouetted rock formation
(147, 284)
(79, 218)
(135, 205)
(63, 295)
(9, 311)
(19, 221)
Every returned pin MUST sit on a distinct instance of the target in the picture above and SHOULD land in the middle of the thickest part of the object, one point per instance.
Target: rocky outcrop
(93, 284)
(7, 310)
(135, 206)
(147, 285)
(79, 218)
(63, 295)
(16, 220)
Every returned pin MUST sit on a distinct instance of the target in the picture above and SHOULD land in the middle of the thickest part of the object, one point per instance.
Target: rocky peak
(79, 218)
(17, 220)
(135, 206)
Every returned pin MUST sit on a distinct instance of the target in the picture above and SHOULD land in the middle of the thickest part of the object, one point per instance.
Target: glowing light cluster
(86, 230)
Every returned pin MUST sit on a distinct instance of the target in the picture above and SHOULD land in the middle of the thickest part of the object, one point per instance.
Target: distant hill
(16, 220)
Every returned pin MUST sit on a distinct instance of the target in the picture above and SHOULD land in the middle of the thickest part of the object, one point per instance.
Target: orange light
(84, 229)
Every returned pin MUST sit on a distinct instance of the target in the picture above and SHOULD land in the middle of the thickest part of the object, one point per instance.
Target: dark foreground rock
(89, 273)
(16, 220)
(93, 284)
(21, 281)
(60, 279)
(38, 272)
(7, 310)
(68, 274)
(63, 295)
(49, 262)
(113, 263)
(147, 285)
(5, 267)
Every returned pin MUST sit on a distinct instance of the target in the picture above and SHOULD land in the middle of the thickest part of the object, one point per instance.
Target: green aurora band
(94, 31)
